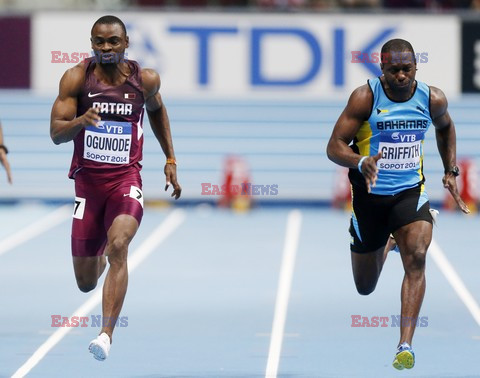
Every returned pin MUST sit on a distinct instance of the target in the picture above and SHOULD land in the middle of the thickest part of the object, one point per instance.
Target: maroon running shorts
(101, 196)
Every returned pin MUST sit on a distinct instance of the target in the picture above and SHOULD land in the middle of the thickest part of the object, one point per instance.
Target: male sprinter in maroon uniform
(100, 108)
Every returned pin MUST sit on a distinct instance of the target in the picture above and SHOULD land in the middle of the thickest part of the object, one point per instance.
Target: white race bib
(109, 142)
(401, 151)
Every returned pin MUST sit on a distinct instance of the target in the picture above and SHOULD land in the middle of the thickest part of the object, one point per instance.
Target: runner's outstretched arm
(158, 117)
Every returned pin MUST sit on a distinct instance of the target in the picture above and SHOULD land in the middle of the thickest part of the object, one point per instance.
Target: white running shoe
(100, 347)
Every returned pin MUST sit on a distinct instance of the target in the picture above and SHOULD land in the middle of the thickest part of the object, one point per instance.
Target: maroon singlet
(118, 140)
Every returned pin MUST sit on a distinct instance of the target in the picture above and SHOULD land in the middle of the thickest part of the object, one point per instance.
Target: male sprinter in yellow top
(380, 137)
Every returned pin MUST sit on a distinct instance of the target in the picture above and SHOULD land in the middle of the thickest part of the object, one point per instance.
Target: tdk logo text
(260, 37)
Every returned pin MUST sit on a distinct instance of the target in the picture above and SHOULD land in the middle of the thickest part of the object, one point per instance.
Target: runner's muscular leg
(119, 236)
(88, 270)
(366, 270)
(413, 240)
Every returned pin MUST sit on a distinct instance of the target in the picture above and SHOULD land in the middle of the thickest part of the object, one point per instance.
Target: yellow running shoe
(405, 358)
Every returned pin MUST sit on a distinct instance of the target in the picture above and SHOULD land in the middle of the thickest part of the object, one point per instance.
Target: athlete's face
(109, 43)
(399, 71)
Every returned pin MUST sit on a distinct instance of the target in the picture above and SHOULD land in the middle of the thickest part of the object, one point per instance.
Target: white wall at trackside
(244, 55)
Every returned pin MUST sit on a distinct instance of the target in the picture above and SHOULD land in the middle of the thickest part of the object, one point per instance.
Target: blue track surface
(202, 304)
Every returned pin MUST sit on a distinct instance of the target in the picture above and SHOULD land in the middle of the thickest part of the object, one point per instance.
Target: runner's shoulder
(73, 79)
(360, 101)
(150, 81)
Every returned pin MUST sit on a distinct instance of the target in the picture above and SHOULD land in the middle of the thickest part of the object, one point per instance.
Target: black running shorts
(375, 217)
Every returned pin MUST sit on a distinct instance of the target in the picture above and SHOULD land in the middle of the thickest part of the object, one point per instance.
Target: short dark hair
(110, 20)
(398, 46)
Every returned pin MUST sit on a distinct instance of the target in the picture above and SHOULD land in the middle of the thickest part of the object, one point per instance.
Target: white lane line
(292, 236)
(160, 234)
(36, 228)
(455, 281)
